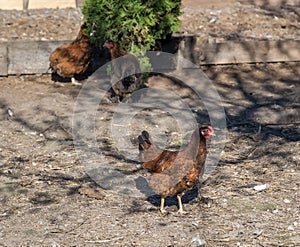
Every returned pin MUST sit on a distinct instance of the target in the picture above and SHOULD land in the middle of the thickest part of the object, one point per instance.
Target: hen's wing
(73, 58)
(70, 60)
(155, 159)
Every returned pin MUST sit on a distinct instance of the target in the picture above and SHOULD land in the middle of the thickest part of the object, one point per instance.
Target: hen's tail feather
(146, 135)
(144, 141)
(148, 150)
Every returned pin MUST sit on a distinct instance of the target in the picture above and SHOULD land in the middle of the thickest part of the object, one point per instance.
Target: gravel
(232, 22)
(40, 24)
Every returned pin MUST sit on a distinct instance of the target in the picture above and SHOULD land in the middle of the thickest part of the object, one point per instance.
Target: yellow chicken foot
(180, 211)
(162, 205)
(74, 82)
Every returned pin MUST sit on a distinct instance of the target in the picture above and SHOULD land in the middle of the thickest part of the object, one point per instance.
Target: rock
(91, 192)
(260, 187)
(199, 242)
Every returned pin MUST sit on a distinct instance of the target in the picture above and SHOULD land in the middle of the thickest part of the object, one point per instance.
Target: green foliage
(135, 25)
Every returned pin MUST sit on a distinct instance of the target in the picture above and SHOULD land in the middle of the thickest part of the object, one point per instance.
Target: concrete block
(38, 4)
(199, 52)
(3, 59)
(271, 3)
(30, 57)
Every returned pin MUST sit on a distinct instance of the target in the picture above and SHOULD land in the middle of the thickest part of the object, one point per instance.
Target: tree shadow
(189, 196)
(255, 97)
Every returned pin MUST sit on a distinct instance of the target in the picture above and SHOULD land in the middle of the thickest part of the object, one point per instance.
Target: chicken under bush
(74, 58)
(126, 72)
(174, 172)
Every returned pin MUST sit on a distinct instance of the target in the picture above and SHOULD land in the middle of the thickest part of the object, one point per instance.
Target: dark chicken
(74, 58)
(174, 172)
(126, 71)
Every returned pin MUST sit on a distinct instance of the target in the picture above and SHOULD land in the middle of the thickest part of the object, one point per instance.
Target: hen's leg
(162, 205)
(180, 211)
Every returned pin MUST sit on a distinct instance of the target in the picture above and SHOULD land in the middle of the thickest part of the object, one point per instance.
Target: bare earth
(214, 20)
(47, 198)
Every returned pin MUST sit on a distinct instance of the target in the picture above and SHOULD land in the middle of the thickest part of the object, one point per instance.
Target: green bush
(135, 25)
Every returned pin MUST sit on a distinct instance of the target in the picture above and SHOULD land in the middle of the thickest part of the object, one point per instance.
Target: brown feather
(126, 72)
(174, 172)
(72, 59)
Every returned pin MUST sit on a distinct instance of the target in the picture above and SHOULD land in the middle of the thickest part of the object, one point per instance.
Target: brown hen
(126, 72)
(174, 172)
(74, 58)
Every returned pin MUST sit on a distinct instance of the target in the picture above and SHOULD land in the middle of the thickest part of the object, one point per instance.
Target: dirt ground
(48, 199)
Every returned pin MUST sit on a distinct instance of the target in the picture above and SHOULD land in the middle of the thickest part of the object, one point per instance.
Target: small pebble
(213, 20)
(67, 177)
(195, 224)
(80, 221)
(55, 245)
(10, 112)
(260, 187)
(286, 201)
(198, 241)
(236, 225)
(258, 232)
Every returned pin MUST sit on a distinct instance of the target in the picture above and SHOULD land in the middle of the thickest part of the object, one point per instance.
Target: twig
(291, 123)
(103, 241)
(240, 123)
(263, 124)
(75, 227)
